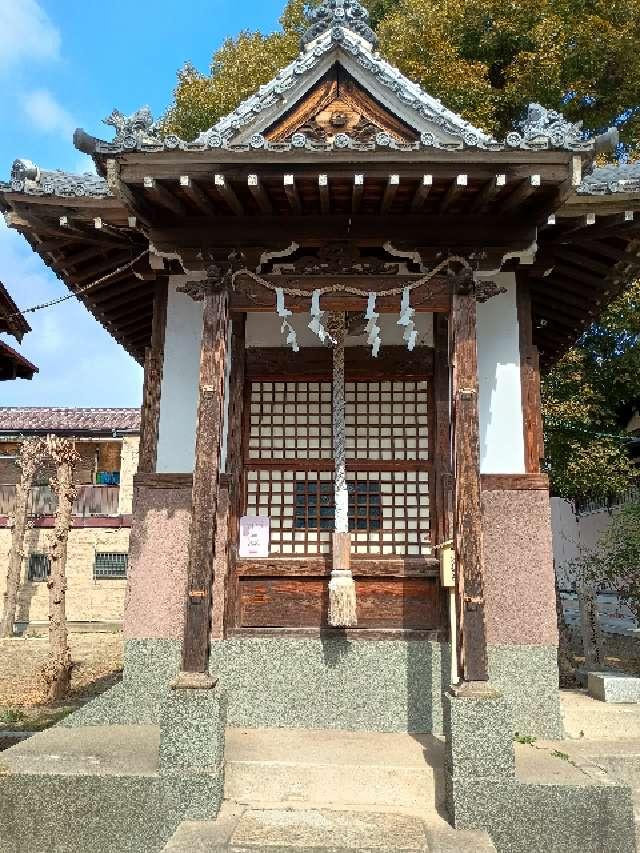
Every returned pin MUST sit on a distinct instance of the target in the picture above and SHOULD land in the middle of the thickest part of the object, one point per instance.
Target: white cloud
(28, 34)
(46, 114)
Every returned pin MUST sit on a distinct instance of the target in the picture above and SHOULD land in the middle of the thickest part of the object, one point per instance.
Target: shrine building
(342, 295)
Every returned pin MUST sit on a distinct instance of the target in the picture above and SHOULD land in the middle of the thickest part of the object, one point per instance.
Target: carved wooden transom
(338, 104)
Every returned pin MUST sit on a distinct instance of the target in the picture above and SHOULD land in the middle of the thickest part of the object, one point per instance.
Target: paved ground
(99, 664)
(586, 718)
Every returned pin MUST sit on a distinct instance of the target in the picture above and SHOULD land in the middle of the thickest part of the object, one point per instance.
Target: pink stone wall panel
(519, 577)
(158, 560)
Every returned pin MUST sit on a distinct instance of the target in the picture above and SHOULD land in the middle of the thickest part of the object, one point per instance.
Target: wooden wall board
(303, 602)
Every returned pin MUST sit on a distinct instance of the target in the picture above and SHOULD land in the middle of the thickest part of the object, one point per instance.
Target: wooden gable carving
(339, 104)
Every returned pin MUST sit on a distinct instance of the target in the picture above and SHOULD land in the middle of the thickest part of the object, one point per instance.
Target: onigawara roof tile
(69, 420)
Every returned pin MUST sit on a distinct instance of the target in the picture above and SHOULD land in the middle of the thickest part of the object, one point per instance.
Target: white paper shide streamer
(286, 328)
(407, 314)
(316, 325)
(373, 329)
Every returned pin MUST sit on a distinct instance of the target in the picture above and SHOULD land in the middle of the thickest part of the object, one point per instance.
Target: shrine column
(518, 579)
(213, 362)
(472, 632)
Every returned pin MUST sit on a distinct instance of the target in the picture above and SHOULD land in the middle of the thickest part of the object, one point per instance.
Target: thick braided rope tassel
(342, 589)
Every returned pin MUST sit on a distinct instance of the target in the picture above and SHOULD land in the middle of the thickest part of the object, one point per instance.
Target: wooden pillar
(231, 492)
(468, 509)
(443, 521)
(530, 382)
(153, 367)
(195, 653)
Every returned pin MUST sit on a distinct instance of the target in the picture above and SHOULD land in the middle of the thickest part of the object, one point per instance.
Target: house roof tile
(47, 419)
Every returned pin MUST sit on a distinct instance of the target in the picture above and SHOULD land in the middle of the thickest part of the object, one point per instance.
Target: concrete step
(335, 770)
(304, 830)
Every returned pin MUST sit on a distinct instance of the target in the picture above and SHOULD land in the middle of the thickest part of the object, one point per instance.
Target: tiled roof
(11, 320)
(28, 178)
(69, 420)
(613, 178)
(13, 365)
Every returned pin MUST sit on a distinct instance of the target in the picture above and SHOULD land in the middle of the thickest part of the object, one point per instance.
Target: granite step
(267, 768)
(240, 830)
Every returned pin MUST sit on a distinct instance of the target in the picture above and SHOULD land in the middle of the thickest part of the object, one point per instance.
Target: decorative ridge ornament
(349, 14)
(134, 130)
(543, 128)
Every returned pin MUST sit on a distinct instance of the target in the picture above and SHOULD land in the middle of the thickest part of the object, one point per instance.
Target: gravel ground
(98, 659)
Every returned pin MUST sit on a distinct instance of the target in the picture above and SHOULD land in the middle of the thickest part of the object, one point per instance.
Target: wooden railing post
(213, 356)
(467, 504)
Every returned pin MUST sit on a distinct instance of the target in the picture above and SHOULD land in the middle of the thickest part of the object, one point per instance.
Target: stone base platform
(96, 788)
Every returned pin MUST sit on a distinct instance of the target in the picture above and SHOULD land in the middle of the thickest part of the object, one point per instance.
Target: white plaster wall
(500, 401)
(574, 534)
(263, 330)
(180, 380)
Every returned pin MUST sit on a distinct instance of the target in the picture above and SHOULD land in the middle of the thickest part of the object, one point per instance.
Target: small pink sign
(254, 537)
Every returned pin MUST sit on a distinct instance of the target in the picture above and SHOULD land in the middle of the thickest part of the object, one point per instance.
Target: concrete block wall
(88, 600)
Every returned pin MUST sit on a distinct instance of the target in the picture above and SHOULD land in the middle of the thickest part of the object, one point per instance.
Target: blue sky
(67, 64)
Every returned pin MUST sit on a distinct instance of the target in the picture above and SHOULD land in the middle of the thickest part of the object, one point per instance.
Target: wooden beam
(422, 193)
(292, 194)
(161, 195)
(436, 231)
(456, 188)
(488, 193)
(529, 381)
(82, 277)
(323, 189)
(228, 194)
(213, 358)
(390, 192)
(468, 508)
(358, 191)
(153, 368)
(521, 193)
(257, 190)
(197, 195)
(248, 297)
(582, 260)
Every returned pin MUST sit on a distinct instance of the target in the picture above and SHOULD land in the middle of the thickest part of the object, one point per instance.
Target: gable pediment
(339, 104)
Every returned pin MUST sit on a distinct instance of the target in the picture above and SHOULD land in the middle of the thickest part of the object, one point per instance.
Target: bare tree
(57, 670)
(29, 459)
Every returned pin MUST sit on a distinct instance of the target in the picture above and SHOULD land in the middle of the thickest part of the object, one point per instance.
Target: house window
(110, 566)
(39, 567)
(315, 505)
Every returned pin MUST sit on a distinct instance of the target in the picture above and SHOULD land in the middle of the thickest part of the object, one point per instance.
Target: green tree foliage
(620, 549)
(587, 397)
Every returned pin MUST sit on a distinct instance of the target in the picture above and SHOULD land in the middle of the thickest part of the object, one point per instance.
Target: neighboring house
(276, 469)
(12, 364)
(107, 443)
